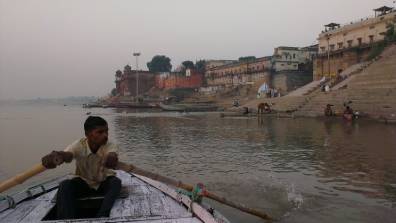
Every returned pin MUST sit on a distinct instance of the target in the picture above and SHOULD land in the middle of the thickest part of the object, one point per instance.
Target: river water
(297, 170)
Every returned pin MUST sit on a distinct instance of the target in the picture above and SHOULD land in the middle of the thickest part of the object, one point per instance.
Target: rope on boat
(195, 195)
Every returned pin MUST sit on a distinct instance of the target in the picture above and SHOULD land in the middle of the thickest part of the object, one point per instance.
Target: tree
(390, 34)
(247, 59)
(159, 63)
(114, 92)
(200, 66)
(188, 64)
(118, 73)
(127, 70)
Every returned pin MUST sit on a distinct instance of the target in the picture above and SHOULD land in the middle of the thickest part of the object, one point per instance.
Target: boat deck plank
(18, 214)
(145, 201)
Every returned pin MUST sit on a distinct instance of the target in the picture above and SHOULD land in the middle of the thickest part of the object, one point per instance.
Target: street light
(328, 52)
(136, 54)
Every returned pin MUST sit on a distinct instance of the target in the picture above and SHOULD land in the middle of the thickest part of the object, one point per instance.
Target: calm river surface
(298, 170)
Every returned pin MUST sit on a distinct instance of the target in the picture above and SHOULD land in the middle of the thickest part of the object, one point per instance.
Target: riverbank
(370, 91)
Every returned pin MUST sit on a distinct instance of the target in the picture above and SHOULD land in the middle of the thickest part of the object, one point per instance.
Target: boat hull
(188, 108)
(146, 201)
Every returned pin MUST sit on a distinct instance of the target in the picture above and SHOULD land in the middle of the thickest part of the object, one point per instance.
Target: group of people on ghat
(348, 113)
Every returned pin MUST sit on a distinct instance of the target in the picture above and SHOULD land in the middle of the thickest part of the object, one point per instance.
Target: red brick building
(126, 81)
(191, 79)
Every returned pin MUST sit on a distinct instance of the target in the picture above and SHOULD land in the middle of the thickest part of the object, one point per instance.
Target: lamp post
(136, 54)
(328, 53)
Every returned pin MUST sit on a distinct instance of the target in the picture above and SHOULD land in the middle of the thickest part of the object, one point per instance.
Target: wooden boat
(132, 105)
(141, 200)
(236, 115)
(187, 107)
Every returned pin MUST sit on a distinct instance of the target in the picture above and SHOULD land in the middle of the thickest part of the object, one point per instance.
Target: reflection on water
(298, 170)
(289, 167)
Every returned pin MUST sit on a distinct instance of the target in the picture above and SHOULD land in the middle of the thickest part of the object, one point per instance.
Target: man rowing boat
(95, 157)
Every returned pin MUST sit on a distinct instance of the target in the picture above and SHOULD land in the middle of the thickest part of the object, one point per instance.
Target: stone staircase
(348, 74)
(372, 92)
(304, 90)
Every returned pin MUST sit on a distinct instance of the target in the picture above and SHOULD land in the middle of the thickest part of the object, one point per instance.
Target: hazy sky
(54, 48)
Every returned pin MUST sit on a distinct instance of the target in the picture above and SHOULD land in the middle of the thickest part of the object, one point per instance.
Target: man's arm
(56, 158)
(111, 160)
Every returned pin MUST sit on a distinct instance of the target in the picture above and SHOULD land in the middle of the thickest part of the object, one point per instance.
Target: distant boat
(189, 107)
(132, 105)
(92, 106)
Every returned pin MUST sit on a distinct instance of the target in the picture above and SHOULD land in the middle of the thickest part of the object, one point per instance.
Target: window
(332, 47)
(371, 38)
(372, 27)
(359, 41)
(294, 55)
(323, 49)
(340, 45)
(350, 43)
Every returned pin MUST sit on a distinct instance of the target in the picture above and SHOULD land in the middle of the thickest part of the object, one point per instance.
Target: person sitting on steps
(328, 110)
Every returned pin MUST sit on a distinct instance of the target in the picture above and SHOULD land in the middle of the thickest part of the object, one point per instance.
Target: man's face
(98, 135)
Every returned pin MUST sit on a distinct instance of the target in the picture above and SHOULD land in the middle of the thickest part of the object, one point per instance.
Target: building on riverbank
(287, 69)
(239, 73)
(126, 81)
(209, 64)
(293, 58)
(188, 79)
(341, 46)
(292, 67)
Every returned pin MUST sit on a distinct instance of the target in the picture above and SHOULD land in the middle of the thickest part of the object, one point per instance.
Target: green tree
(159, 63)
(200, 66)
(118, 73)
(390, 34)
(247, 58)
(188, 64)
(113, 92)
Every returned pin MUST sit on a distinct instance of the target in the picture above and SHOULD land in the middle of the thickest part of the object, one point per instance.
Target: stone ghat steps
(370, 95)
(371, 92)
(374, 79)
(374, 107)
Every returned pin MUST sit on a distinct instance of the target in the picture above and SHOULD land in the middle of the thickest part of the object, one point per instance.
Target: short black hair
(93, 122)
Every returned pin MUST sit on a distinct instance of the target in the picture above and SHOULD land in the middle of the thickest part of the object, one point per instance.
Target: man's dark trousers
(72, 189)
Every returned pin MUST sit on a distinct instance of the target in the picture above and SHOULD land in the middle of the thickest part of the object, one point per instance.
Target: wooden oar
(20, 178)
(133, 169)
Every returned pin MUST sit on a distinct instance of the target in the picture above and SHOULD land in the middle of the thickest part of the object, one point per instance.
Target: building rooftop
(364, 21)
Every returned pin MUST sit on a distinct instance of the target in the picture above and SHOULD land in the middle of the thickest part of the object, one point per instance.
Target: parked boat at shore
(141, 200)
(189, 107)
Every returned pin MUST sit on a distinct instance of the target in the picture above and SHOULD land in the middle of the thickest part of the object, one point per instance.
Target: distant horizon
(55, 48)
(46, 98)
